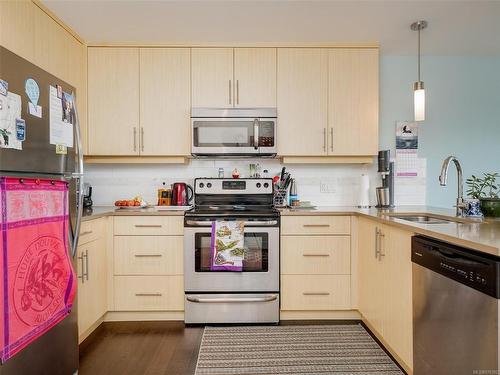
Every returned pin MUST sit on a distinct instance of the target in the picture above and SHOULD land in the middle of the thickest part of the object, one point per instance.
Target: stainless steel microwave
(233, 132)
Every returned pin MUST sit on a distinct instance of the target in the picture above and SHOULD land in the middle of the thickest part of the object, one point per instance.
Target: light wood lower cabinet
(316, 255)
(149, 293)
(315, 292)
(148, 255)
(92, 276)
(385, 285)
(315, 264)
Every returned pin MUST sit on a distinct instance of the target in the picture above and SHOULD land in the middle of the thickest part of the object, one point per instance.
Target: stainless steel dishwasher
(455, 309)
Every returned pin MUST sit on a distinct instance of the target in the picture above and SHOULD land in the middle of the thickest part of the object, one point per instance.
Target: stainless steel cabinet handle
(315, 255)
(86, 233)
(142, 138)
(380, 247)
(316, 294)
(230, 92)
(148, 294)
(86, 265)
(237, 91)
(135, 138)
(316, 225)
(82, 275)
(331, 139)
(148, 225)
(324, 139)
(231, 300)
(148, 255)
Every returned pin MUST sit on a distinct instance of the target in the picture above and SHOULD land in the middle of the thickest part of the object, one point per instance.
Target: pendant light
(418, 87)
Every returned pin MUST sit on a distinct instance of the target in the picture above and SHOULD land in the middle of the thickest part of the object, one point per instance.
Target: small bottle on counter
(221, 172)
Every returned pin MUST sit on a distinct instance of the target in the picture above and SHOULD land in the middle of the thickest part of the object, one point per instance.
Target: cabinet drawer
(148, 225)
(148, 255)
(91, 230)
(149, 293)
(315, 255)
(297, 225)
(314, 292)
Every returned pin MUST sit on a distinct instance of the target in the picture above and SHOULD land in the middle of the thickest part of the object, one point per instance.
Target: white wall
(113, 182)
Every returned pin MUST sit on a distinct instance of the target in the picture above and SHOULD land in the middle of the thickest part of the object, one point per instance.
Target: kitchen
(222, 199)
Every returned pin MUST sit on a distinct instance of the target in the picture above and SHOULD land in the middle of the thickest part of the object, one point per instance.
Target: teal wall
(462, 114)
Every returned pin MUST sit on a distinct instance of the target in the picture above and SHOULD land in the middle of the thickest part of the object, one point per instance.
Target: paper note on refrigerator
(10, 111)
(62, 118)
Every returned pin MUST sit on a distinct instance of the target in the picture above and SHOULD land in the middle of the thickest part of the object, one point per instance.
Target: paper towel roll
(364, 191)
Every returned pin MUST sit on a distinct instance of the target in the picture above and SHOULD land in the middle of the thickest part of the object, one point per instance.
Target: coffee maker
(385, 193)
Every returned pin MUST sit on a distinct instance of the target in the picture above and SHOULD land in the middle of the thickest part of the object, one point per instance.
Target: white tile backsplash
(340, 182)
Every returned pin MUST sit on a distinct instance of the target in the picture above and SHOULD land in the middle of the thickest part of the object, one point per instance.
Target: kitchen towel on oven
(228, 240)
(37, 286)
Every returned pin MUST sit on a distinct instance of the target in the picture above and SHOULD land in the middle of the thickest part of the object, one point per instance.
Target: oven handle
(262, 223)
(271, 298)
(256, 134)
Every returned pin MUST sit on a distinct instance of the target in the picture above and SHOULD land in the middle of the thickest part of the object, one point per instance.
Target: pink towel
(37, 286)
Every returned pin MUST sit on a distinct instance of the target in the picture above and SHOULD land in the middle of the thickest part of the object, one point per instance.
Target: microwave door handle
(256, 133)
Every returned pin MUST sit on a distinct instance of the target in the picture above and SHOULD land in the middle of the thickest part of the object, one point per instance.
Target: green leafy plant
(485, 187)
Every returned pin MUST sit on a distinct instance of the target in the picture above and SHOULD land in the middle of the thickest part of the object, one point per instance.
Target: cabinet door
(113, 101)
(255, 77)
(165, 101)
(372, 292)
(398, 325)
(353, 101)
(302, 101)
(92, 294)
(212, 77)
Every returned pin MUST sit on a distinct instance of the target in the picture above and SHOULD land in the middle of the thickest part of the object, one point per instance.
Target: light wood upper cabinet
(212, 77)
(302, 95)
(165, 101)
(113, 101)
(353, 101)
(255, 77)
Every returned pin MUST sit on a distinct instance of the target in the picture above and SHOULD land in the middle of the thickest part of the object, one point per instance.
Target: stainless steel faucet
(443, 177)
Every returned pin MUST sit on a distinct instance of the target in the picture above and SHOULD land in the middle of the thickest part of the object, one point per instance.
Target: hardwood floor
(141, 348)
(153, 348)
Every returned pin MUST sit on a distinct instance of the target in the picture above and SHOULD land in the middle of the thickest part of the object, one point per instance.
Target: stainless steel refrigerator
(56, 352)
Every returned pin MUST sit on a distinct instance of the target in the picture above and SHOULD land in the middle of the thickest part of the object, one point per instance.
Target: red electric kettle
(182, 194)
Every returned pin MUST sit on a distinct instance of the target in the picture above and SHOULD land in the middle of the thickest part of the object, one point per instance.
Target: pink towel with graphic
(37, 285)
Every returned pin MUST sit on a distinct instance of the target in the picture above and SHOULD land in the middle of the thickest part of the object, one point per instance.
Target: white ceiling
(455, 27)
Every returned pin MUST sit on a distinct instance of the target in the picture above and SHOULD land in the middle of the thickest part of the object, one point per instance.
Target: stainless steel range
(249, 296)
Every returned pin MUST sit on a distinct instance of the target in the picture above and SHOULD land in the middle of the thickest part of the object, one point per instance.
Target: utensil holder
(280, 198)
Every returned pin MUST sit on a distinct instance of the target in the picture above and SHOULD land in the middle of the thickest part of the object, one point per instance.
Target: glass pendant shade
(419, 101)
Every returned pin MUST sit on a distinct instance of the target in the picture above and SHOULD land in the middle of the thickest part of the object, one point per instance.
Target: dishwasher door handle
(232, 300)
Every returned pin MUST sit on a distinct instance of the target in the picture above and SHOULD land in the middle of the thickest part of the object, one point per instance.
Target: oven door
(234, 136)
(260, 267)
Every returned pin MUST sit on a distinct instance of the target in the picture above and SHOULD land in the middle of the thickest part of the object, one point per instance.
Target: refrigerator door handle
(78, 174)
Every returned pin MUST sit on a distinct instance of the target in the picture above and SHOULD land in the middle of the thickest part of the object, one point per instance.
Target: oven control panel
(233, 186)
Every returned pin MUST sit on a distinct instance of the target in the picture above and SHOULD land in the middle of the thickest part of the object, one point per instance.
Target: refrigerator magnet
(32, 91)
(4, 87)
(61, 150)
(20, 129)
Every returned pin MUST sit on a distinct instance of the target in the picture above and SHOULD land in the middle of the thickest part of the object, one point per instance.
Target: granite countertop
(482, 235)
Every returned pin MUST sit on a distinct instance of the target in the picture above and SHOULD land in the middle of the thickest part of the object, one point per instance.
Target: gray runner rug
(311, 350)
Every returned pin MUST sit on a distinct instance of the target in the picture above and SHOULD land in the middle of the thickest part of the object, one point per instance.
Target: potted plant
(487, 191)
